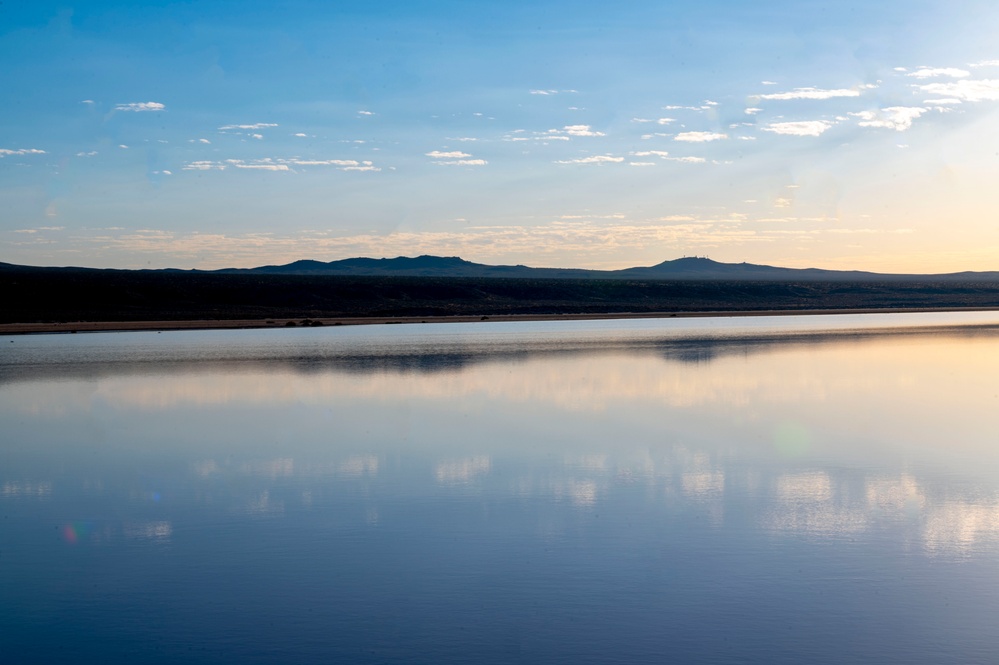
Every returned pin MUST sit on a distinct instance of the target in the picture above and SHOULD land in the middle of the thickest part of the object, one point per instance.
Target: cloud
(801, 128)
(279, 164)
(965, 90)
(87, 101)
(651, 153)
(552, 92)
(641, 163)
(258, 165)
(699, 137)
(437, 154)
(365, 113)
(596, 159)
(752, 110)
(140, 107)
(464, 162)
(6, 152)
(204, 165)
(301, 135)
(811, 93)
(934, 72)
(580, 130)
(898, 118)
(86, 154)
(768, 82)
(665, 121)
(256, 125)
(985, 63)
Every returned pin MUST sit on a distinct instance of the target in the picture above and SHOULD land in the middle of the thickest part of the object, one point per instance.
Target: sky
(841, 135)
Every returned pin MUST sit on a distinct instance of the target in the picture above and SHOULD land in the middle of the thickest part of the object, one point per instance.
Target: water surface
(772, 490)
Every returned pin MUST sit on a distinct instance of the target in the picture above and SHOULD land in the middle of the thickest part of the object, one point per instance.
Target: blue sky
(217, 134)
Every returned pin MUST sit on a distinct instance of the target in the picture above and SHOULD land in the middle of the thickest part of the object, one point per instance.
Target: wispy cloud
(455, 154)
(140, 107)
(578, 130)
(811, 93)
(454, 158)
(936, 72)
(365, 113)
(799, 128)
(256, 125)
(7, 152)
(699, 137)
(965, 90)
(549, 92)
(595, 159)
(278, 164)
(898, 118)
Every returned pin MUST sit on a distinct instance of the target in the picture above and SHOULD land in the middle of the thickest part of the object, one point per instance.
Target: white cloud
(665, 121)
(437, 154)
(651, 153)
(898, 118)
(596, 159)
(688, 160)
(259, 166)
(801, 128)
(204, 165)
(464, 162)
(140, 106)
(87, 101)
(257, 136)
(86, 154)
(752, 110)
(463, 139)
(641, 163)
(5, 152)
(123, 146)
(203, 141)
(322, 162)
(641, 120)
(945, 100)
(580, 130)
(544, 92)
(366, 167)
(934, 72)
(965, 90)
(811, 93)
(301, 135)
(985, 63)
(365, 113)
(901, 69)
(256, 125)
(768, 82)
(699, 137)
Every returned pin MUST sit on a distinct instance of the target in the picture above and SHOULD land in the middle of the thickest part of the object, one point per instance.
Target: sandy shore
(113, 326)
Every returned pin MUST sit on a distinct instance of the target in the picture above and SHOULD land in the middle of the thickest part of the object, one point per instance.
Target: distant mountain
(687, 268)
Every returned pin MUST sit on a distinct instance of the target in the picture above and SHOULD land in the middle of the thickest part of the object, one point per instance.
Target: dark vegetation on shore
(54, 295)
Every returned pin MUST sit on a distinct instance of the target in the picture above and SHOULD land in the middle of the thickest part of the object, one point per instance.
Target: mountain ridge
(426, 265)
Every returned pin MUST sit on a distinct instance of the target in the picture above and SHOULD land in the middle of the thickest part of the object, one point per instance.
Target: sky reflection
(591, 469)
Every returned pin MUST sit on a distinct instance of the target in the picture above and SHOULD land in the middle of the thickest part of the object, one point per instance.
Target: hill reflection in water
(612, 495)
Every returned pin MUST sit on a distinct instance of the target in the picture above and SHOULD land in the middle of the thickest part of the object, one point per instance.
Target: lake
(808, 489)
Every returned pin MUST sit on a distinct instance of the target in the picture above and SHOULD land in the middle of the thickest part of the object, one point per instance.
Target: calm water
(772, 490)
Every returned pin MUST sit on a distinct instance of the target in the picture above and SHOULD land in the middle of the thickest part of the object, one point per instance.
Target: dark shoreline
(247, 324)
(67, 300)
